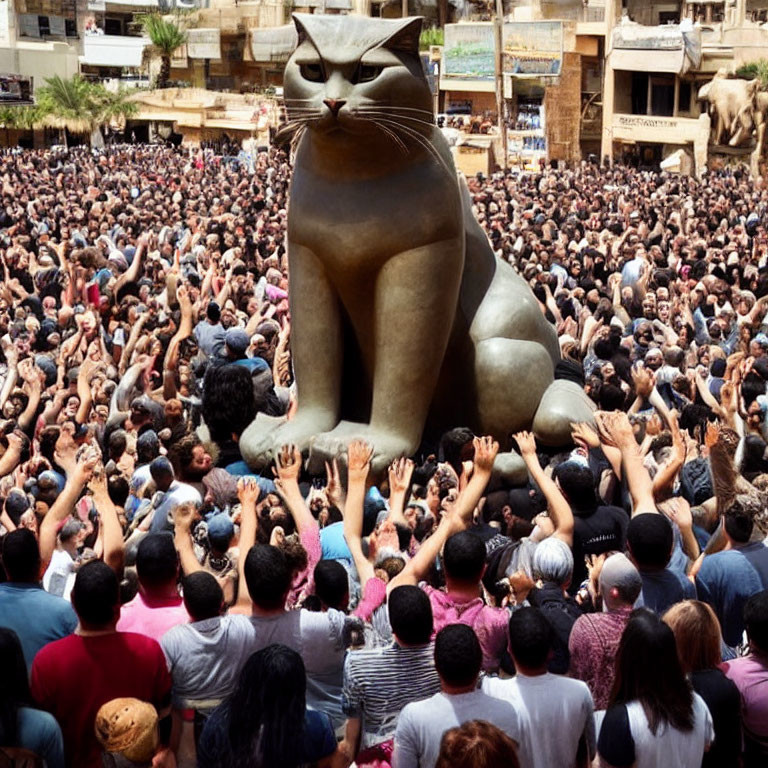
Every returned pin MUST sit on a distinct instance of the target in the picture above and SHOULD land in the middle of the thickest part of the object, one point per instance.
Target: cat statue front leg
(414, 306)
(317, 350)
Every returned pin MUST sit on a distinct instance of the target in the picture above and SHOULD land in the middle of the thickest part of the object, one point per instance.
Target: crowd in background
(163, 604)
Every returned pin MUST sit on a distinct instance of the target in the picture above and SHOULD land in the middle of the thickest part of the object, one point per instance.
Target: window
(684, 97)
(669, 17)
(662, 95)
(113, 26)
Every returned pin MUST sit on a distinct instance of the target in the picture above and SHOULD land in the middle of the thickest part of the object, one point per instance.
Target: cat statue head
(357, 78)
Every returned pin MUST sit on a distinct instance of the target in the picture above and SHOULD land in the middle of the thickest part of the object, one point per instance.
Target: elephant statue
(732, 106)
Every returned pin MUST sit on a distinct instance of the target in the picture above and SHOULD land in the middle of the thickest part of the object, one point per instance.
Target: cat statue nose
(334, 105)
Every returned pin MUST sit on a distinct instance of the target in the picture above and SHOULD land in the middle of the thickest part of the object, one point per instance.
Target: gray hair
(553, 561)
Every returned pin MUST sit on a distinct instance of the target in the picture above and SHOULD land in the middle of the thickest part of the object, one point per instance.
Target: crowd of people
(162, 604)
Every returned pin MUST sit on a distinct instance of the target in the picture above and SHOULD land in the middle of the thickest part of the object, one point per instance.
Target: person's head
(738, 523)
(458, 657)
(161, 471)
(157, 564)
(203, 595)
(95, 596)
(577, 483)
(530, 640)
(213, 312)
(332, 584)
(648, 671)
(697, 634)
(619, 582)
(553, 562)
(268, 576)
(267, 708)
(14, 692)
(229, 404)
(191, 461)
(464, 558)
(410, 615)
(650, 540)
(477, 744)
(756, 622)
(221, 529)
(21, 556)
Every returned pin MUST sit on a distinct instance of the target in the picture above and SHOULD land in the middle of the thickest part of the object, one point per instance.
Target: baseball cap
(237, 340)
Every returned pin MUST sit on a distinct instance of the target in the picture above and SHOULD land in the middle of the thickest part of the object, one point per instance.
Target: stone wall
(562, 104)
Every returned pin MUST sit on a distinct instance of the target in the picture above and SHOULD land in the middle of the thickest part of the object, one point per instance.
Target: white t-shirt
(630, 737)
(59, 577)
(421, 726)
(549, 704)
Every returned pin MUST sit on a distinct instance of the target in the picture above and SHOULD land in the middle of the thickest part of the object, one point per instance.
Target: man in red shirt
(73, 677)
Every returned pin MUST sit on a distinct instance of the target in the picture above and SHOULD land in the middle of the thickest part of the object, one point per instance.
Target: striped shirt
(379, 682)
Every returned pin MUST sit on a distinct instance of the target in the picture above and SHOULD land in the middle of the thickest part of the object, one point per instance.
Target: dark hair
(268, 576)
(530, 637)
(458, 656)
(181, 453)
(21, 556)
(464, 557)
(157, 563)
(611, 398)
(203, 595)
(410, 614)
(756, 620)
(266, 711)
(118, 489)
(578, 484)
(650, 539)
(95, 594)
(477, 744)
(14, 692)
(453, 447)
(739, 527)
(213, 312)
(229, 405)
(648, 670)
(331, 583)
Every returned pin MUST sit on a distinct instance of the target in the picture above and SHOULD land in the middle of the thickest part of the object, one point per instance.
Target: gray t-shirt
(205, 658)
(422, 724)
(320, 638)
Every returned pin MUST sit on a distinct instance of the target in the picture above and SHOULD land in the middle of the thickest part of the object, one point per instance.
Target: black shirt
(722, 697)
(603, 529)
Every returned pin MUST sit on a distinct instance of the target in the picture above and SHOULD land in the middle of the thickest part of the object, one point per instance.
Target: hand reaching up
(359, 456)
(287, 465)
(248, 491)
(486, 449)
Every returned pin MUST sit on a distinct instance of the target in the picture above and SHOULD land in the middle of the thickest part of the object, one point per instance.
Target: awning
(674, 47)
(113, 50)
(204, 43)
(273, 43)
(332, 5)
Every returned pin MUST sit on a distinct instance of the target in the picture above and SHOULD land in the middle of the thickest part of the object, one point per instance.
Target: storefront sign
(532, 48)
(204, 44)
(639, 121)
(468, 53)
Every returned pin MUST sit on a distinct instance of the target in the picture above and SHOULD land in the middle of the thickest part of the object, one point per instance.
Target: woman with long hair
(265, 721)
(699, 642)
(654, 719)
(22, 726)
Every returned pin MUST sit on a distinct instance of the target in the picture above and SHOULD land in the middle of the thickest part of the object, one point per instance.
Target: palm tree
(79, 106)
(166, 36)
(66, 105)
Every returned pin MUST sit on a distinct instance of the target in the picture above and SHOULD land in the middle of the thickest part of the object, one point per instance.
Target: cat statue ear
(406, 38)
(301, 28)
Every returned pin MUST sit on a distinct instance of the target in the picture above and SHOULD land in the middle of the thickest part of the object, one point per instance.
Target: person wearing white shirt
(547, 704)
(421, 725)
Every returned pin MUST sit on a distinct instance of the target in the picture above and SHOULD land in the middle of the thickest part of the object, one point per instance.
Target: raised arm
(112, 531)
(400, 472)
(183, 517)
(358, 464)
(457, 520)
(248, 492)
(64, 504)
(559, 509)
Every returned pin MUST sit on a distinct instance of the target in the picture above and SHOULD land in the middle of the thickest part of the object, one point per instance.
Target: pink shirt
(304, 581)
(491, 625)
(373, 596)
(151, 617)
(750, 674)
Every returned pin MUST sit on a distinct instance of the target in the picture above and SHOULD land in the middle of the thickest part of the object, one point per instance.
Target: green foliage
(166, 36)
(755, 69)
(80, 105)
(431, 36)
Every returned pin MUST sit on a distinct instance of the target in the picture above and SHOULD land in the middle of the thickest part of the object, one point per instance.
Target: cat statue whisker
(404, 324)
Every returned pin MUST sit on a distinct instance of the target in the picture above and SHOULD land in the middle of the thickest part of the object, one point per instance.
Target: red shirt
(73, 677)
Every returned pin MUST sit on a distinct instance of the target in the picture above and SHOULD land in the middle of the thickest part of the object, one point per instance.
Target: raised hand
(486, 449)
(400, 472)
(288, 464)
(333, 487)
(584, 434)
(526, 443)
(359, 456)
(248, 491)
(185, 515)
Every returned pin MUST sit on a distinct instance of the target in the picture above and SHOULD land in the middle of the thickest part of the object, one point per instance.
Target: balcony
(113, 50)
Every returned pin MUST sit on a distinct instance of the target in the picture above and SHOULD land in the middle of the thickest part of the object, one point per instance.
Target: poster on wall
(532, 48)
(204, 44)
(468, 53)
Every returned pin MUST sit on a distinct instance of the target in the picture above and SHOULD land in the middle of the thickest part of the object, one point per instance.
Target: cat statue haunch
(403, 322)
